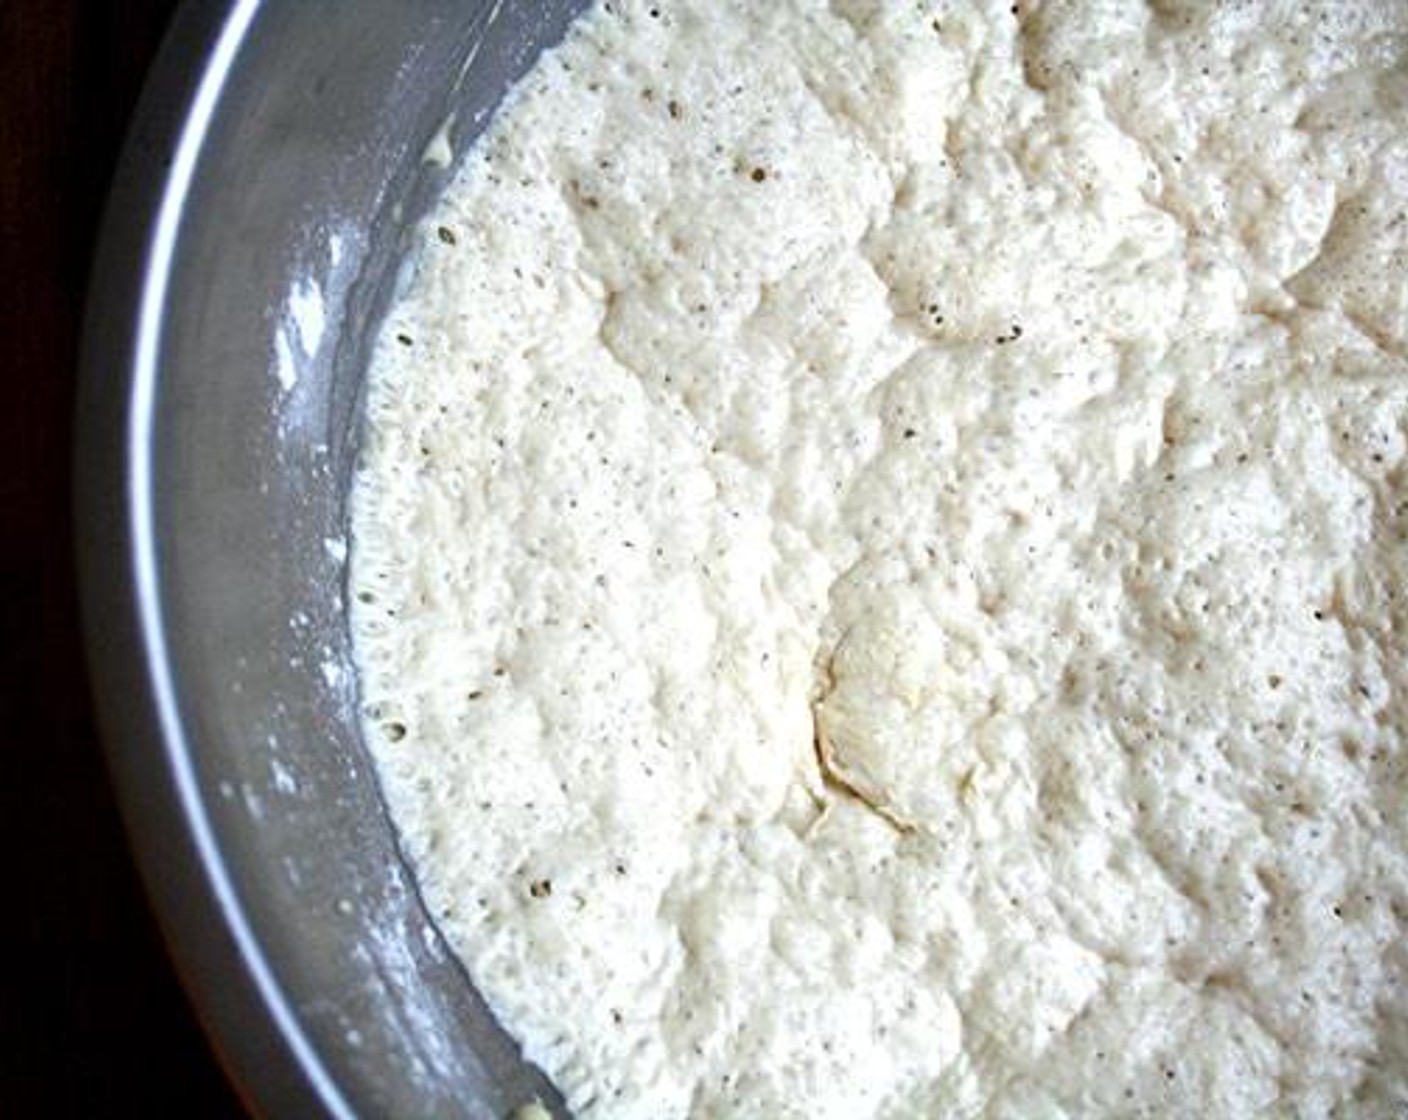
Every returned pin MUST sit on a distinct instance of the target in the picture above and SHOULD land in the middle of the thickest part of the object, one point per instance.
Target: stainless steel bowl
(280, 154)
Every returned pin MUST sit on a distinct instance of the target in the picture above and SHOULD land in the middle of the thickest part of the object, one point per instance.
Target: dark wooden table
(92, 1020)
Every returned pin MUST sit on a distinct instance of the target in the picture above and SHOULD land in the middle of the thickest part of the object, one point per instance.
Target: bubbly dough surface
(881, 560)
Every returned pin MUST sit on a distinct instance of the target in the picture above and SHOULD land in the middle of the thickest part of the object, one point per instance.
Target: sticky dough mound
(880, 568)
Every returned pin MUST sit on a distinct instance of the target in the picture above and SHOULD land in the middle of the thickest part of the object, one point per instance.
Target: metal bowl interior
(255, 230)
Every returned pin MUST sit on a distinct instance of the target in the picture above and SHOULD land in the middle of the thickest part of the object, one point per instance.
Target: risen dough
(880, 567)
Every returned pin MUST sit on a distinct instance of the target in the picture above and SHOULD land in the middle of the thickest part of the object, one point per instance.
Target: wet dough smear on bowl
(881, 560)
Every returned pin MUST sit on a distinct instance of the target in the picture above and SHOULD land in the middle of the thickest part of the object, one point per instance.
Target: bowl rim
(206, 927)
